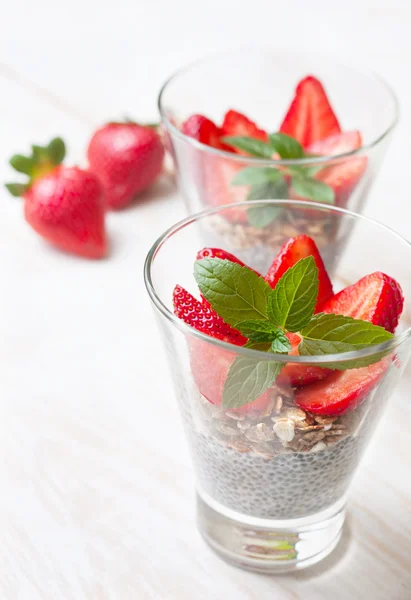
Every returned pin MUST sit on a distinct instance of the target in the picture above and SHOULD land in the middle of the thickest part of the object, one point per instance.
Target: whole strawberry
(127, 158)
(65, 205)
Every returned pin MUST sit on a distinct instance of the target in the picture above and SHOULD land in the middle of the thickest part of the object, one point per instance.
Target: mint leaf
(257, 331)
(292, 301)
(255, 175)
(251, 145)
(286, 146)
(332, 334)
(312, 189)
(304, 172)
(263, 215)
(281, 343)
(247, 379)
(236, 293)
(269, 190)
(261, 346)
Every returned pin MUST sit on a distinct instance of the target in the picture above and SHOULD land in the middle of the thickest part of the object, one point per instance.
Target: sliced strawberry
(205, 131)
(376, 298)
(310, 117)
(237, 124)
(290, 253)
(342, 391)
(339, 143)
(217, 189)
(223, 254)
(203, 318)
(343, 177)
(209, 364)
(298, 375)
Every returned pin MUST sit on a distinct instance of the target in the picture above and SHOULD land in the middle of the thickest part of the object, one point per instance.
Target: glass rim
(252, 160)
(249, 352)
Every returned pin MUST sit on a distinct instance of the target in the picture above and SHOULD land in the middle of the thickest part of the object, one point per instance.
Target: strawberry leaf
(286, 146)
(312, 189)
(236, 293)
(292, 301)
(250, 145)
(22, 164)
(16, 189)
(56, 151)
(247, 379)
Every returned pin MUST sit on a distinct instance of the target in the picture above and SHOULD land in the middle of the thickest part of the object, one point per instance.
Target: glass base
(266, 545)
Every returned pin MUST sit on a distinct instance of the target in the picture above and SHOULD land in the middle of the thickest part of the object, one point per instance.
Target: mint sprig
(265, 316)
(271, 182)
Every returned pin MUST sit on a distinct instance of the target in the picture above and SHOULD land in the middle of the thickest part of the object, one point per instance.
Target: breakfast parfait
(272, 437)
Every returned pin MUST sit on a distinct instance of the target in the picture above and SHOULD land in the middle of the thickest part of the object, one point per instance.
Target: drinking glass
(272, 478)
(261, 85)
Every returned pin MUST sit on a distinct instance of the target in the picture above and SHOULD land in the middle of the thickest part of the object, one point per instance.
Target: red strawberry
(127, 158)
(203, 318)
(65, 205)
(376, 298)
(310, 117)
(290, 253)
(237, 124)
(343, 177)
(217, 190)
(205, 131)
(339, 143)
(340, 392)
(209, 364)
(223, 254)
(298, 375)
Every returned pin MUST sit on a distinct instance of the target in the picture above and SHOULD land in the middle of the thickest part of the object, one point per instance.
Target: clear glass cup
(272, 497)
(261, 85)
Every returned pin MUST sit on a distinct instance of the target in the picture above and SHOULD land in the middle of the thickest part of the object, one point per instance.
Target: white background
(96, 496)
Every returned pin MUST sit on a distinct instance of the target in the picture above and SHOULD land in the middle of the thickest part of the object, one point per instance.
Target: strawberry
(339, 143)
(205, 131)
(310, 117)
(127, 158)
(223, 254)
(237, 124)
(298, 375)
(343, 177)
(203, 318)
(65, 205)
(217, 190)
(290, 253)
(210, 364)
(376, 298)
(342, 391)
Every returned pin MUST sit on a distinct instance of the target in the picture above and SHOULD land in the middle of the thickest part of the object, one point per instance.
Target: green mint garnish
(247, 379)
(236, 293)
(245, 301)
(313, 189)
(269, 182)
(263, 215)
(292, 301)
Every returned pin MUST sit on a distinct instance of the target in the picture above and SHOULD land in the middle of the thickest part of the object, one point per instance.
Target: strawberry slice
(343, 177)
(224, 255)
(290, 253)
(237, 124)
(340, 143)
(298, 375)
(209, 364)
(217, 189)
(342, 391)
(310, 116)
(203, 318)
(205, 131)
(376, 298)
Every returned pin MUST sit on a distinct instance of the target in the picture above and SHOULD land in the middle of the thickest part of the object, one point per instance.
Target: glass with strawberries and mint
(252, 125)
(281, 374)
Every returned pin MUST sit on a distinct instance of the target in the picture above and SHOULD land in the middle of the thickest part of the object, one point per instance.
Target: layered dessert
(278, 418)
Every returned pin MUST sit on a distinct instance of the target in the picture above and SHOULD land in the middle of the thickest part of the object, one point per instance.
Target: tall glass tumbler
(261, 85)
(272, 478)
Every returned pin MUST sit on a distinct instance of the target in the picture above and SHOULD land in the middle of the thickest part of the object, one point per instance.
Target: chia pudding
(284, 464)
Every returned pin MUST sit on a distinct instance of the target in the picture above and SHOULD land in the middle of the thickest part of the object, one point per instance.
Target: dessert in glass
(254, 124)
(281, 373)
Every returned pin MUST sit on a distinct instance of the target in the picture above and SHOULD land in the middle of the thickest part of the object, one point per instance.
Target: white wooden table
(96, 504)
